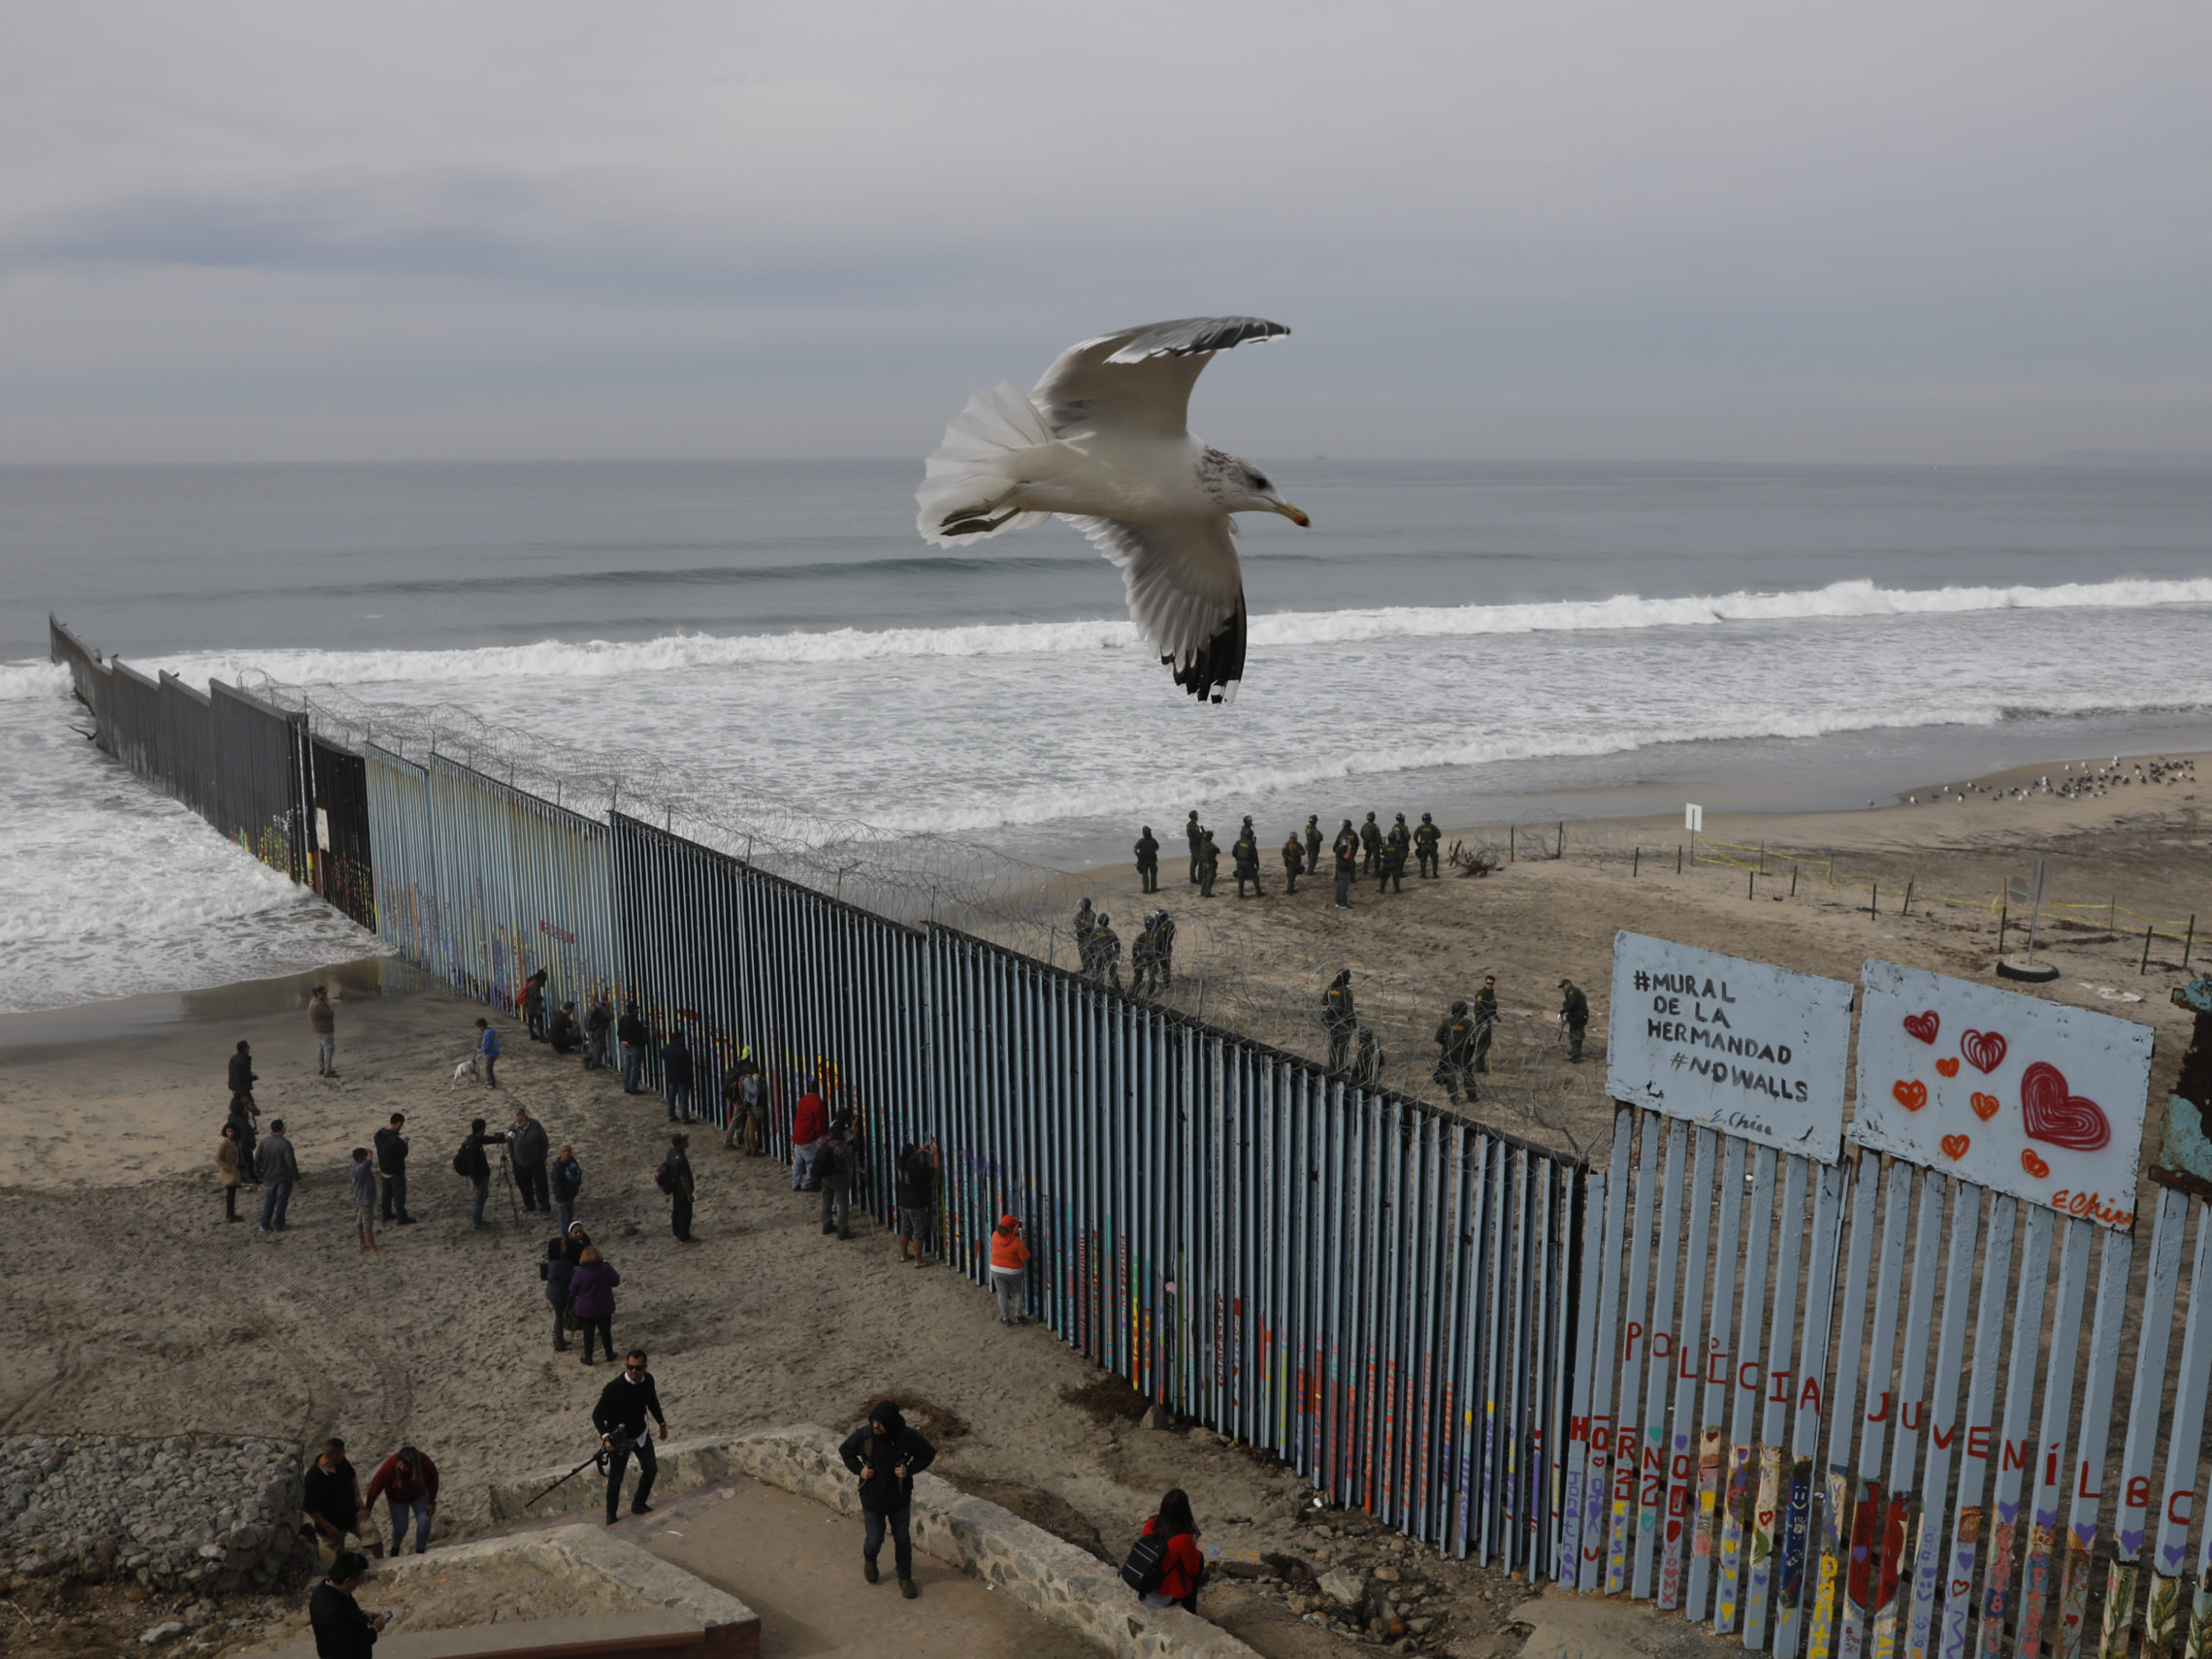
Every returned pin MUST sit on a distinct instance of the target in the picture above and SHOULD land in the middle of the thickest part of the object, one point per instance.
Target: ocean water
(1491, 643)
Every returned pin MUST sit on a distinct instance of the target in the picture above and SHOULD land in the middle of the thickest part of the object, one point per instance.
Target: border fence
(1826, 1401)
(1383, 1294)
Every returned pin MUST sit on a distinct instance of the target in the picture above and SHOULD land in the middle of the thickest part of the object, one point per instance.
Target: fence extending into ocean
(1850, 1397)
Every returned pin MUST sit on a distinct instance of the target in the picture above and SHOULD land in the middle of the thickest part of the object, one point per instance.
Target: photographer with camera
(620, 1417)
(473, 1165)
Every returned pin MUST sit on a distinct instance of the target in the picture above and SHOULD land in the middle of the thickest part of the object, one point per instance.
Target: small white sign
(1743, 1047)
(322, 829)
(1693, 817)
(2024, 1097)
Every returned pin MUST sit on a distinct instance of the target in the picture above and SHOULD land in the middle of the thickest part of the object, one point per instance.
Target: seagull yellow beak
(1293, 515)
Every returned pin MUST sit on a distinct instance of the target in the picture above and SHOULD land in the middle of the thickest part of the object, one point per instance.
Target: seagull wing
(1185, 593)
(1138, 381)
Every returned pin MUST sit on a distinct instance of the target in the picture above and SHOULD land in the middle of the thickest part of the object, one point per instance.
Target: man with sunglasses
(620, 1417)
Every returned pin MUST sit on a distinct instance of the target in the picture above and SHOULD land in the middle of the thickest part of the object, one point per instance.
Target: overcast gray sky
(1608, 230)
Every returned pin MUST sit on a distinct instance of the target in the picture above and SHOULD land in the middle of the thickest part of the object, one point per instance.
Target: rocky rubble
(188, 1511)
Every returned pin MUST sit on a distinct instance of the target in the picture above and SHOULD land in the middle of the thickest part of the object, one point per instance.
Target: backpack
(1147, 1564)
(666, 1182)
(461, 1162)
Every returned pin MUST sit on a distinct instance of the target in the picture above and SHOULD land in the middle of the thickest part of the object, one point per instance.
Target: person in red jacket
(809, 1122)
(408, 1481)
(1009, 1262)
(1182, 1567)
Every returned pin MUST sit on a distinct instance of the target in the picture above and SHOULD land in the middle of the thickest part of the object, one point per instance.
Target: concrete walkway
(798, 1567)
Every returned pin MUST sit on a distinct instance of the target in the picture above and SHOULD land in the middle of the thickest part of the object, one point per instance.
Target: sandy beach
(137, 1310)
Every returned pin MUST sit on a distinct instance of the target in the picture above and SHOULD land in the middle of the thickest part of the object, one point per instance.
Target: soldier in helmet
(1339, 1018)
(1485, 1021)
(1245, 856)
(1371, 845)
(1085, 927)
(1294, 863)
(1393, 872)
(1148, 861)
(1313, 840)
(1455, 1041)
(1346, 853)
(1143, 958)
(1194, 833)
(1106, 953)
(1425, 840)
(1161, 926)
(1209, 862)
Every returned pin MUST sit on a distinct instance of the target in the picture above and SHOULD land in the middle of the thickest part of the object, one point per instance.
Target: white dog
(467, 1069)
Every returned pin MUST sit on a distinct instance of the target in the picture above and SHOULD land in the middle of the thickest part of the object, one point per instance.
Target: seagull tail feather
(966, 483)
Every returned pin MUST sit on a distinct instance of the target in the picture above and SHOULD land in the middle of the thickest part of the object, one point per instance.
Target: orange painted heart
(2051, 1114)
(1911, 1094)
(2034, 1166)
(1924, 1026)
(1949, 1066)
(1985, 1106)
(1955, 1145)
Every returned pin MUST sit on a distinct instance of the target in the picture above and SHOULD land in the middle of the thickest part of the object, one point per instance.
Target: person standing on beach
(1009, 1265)
(392, 1166)
(558, 1271)
(1347, 852)
(243, 1076)
(1370, 846)
(323, 1022)
(1425, 841)
(915, 1192)
(1294, 863)
(1194, 833)
(364, 1177)
(473, 1165)
(591, 1298)
(488, 1053)
(1339, 1018)
(1209, 862)
(1148, 861)
(886, 1454)
(809, 1121)
(1106, 953)
(624, 1404)
(525, 1149)
(567, 1181)
(676, 1076)
(1455, 1040)
(244, 1117)
(228, 1170)
(1313, 840)
(634, 1037)
(598, 1028)
(833, 1169)
(408, 1482)
(279, 1167)
(675, 1180)
(1247, 854)
(1485, 1020)
(1574, 1015)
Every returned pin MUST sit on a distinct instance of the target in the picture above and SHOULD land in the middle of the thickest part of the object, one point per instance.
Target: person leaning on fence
(887, 1454)
(1340, 1019)
(1574, 1015)
(323, 1022)
(599, 1029)
(1009, 1265)
(809, 1122)
(745, 1095)
(833, 1169)
(1148, 861)
(533, 1000)
(632, 1032)
(408, 1482)
(915, 1192)
(676, 1076)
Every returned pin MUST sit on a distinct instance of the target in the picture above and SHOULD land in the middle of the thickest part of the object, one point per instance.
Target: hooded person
(887, 1454)
(1009, 1263)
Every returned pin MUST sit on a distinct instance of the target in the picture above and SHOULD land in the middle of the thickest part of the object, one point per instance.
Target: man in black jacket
(620, 1416)
(526, 1150)
(886, 1455)
(630, 1030)
(342, 1631)
(241, 1072)
(472, 1163)
(392, 1165)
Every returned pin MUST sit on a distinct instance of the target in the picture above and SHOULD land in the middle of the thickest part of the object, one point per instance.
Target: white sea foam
(601, 659)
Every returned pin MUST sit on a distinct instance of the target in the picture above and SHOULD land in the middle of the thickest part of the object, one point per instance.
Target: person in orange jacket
(1009, 1260)
(1182, 1565)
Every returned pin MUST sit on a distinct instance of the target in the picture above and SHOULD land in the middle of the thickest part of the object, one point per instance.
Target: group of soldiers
(1463, 1039)
(1367, 851)
(1098, 950)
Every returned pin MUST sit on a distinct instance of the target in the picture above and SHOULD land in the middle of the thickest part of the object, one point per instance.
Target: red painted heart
(1924, 1026)
(1985, 1049)
(1984, 1105)
(1955, 1145)
(2050, 1114)
(1948, 1065)
(2034, 1166)
(1911, 1094)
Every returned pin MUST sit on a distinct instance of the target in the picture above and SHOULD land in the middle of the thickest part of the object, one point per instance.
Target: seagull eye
(1259, 481)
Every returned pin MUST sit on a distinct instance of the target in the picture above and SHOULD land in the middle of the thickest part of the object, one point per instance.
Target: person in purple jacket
(591, 1298)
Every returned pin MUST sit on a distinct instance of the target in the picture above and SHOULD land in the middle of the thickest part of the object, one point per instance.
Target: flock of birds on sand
(2078, 780)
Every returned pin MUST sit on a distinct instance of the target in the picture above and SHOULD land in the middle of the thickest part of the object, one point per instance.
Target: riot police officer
(1425, 840)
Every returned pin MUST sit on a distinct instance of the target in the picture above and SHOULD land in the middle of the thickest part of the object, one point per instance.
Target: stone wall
(187, 1512)
(1053, 1578)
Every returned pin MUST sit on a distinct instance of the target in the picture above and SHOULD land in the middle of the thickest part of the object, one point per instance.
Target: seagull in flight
(1103, 441)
